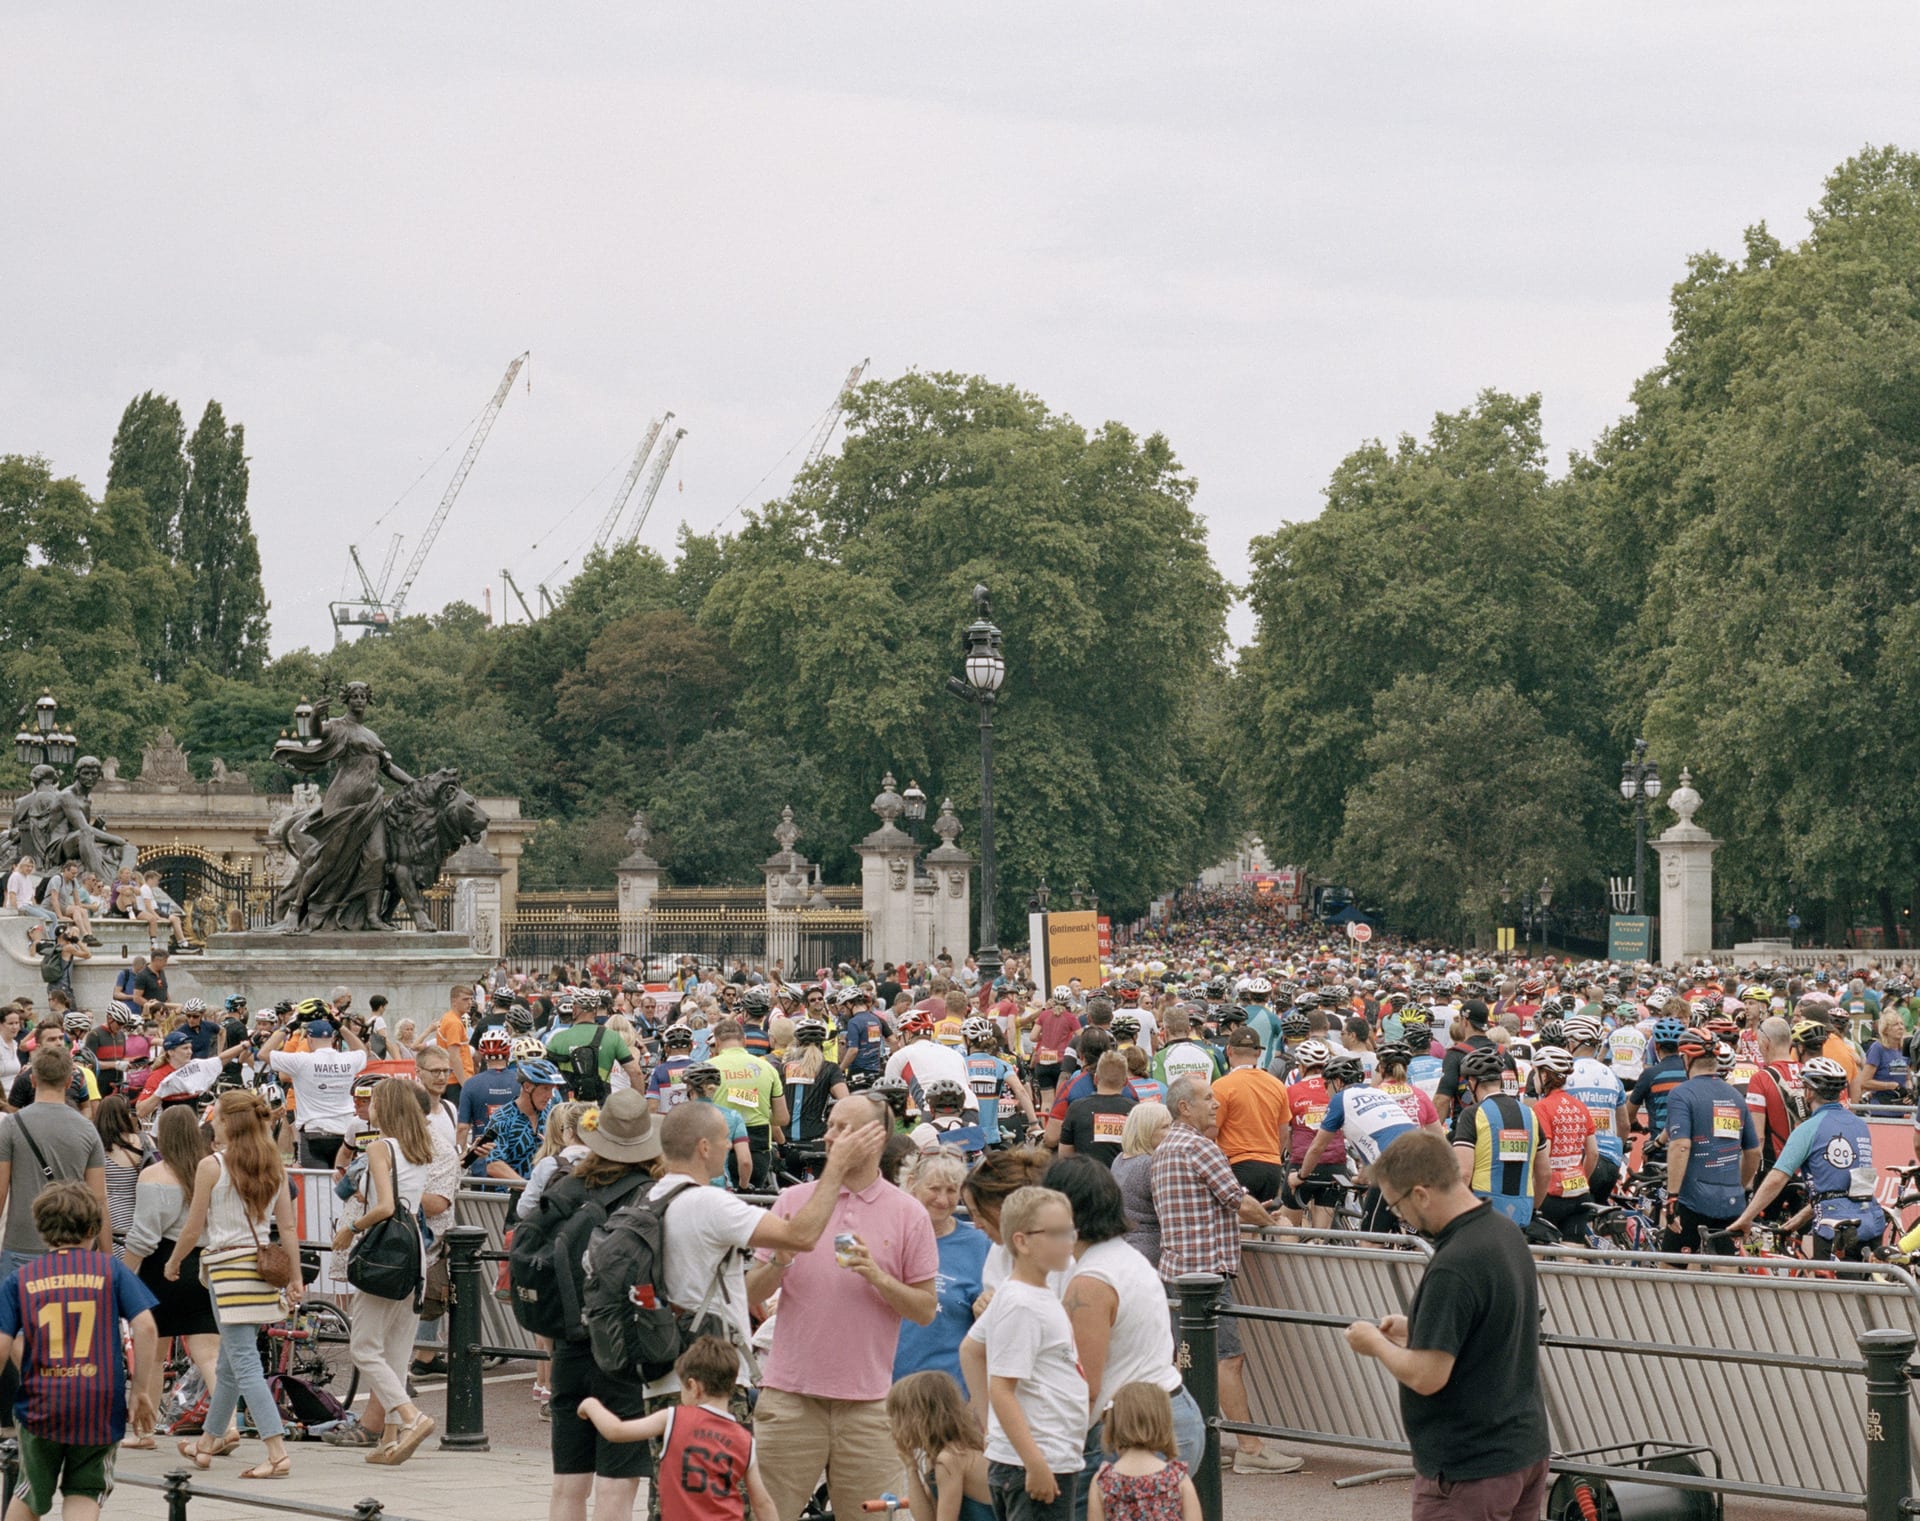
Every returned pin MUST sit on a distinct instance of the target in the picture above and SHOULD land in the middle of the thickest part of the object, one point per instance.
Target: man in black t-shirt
(1467, 1355)
(1446, 1098)
(150, 986)
(1093, 1124)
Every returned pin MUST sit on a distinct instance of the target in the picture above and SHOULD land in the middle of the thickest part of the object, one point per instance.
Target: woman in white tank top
(384, 1329)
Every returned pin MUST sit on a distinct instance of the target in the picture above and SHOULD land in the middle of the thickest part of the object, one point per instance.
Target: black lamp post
(1639, 785)
(1545, 894)
(986, 670)
(45, 744)
(1038, 899)
(914, 811)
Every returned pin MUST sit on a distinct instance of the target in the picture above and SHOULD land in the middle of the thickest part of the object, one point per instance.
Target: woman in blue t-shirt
(1884, 1078)
(934, 1178)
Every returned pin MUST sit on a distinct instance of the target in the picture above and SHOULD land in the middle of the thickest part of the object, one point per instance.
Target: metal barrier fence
(1712, 1360)
(491, 1210)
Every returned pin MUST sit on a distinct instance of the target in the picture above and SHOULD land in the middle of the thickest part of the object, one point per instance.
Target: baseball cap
(178, 1038)
(319, 1029)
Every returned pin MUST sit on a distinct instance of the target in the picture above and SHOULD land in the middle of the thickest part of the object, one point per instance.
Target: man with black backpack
(586, 1053)
(691, 1255)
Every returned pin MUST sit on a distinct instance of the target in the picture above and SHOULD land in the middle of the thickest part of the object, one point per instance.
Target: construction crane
(832, 421)
(654, 478)
(379, 611)
(626, 486)
(512, 586)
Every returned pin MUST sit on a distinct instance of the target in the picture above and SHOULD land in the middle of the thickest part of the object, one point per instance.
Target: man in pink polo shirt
(824, 1384)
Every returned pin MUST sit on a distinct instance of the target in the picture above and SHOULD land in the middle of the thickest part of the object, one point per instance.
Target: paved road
(509, 1483)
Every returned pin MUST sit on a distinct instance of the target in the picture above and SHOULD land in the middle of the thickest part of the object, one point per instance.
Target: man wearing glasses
(1467, 1355)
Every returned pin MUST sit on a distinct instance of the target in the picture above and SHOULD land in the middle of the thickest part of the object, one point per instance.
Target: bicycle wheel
(323, 1359)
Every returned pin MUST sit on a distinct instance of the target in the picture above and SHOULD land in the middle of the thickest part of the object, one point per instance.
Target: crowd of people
(934, 1217)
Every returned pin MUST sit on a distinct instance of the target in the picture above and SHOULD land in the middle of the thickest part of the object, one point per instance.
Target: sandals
(409, 1440)
(276, 1468)
(225, 1445)
(195, 1454)
(139, 1444)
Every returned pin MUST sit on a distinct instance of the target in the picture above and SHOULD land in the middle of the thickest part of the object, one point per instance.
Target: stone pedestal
(886, 883)
(415, 970)
(951, 870)
(474, 873)
(638, 875)
(1686, 880)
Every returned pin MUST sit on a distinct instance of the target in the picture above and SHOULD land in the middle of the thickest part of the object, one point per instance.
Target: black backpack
(543, 1263)
(583, 1070)
(631, 1324)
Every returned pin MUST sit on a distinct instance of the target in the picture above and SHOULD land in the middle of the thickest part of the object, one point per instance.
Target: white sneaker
(1267, 1460)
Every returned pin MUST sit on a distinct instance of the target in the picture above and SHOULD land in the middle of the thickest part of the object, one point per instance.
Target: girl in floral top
(1139, 1483)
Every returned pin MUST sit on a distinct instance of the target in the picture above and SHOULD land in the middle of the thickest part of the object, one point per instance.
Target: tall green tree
(224, 625)
(843, 602)
(149, 456)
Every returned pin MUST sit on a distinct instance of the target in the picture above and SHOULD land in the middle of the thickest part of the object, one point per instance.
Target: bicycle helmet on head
(539, 1074)
(1229, 1016)
(76, 1022)
(1553, 1061)
(519, 1019)
(527, 1048)
(1415, 1018)
(1552, 1032)
(677, 1037)
(123, 1014)
(944, 1095)
(1693, 1044)
(1394, 1053)
(810, 1032)
(756, 1000)
(274, 1095)
(1823, 1075)
(1345, 1070)
(976, 1031)
(892, 1092)
(194, 1006)
(1481, 1065)
(1312, 1053)
(494, 1043)
(1724, 1056)
(1812, 1034)
(1580, 1031)
(1667, 1030)
(916, 1024)
(1294, 1025)
(1126, 1027)
(236, 1002)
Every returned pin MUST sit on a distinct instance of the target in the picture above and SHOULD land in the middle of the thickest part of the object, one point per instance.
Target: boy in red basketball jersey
(63, 1312)
(703, 1466)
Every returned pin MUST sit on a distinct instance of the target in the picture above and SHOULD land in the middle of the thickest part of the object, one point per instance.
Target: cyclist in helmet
(1650, 1092)
(1713, 1150)
(1183, 1055)
(701, 1083)
(813, 1083)
(1307, 1101)
(1450, 1097)
(921, 1060)
(1596, 1087)
(1501, 1145)
(863, 1043)
(1254, 993)
(892, 1091)
(1367, 1121)
(517, 1128)
(1832, 1151)
(1426, 1063)
(488, 1089)
(1573, 1151)
(666, 1088)
(945, 1120)
(994, 1081)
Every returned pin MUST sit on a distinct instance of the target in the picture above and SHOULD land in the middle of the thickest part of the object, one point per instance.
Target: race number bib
(1513, 1145)
(1045, 1056)
(1726, 1120)
(1573, 1185)
(1108, 1127)
(743, 1095)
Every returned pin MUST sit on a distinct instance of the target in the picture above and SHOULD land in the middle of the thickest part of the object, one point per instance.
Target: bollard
(466, 1413)
(368, 1510)
(1889, 1468)
(1198, 1358)
(179, 1491)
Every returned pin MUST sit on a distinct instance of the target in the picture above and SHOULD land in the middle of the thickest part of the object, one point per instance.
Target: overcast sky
(1270, 231)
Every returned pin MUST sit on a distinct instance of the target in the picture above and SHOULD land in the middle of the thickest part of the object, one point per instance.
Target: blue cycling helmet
(541, 1072)
(1667, 1031)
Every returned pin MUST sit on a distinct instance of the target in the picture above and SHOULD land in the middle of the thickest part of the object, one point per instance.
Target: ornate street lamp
(1037, 899)
(46, 743)
(1545, 893)
(986, 669)
(1639, 785)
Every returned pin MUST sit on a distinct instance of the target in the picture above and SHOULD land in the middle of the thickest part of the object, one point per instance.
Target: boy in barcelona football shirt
(62, 1311)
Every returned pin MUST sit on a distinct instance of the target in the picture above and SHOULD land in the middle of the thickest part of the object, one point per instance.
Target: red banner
(1106, 938)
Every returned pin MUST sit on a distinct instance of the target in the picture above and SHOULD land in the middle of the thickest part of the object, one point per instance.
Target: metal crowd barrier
(1710, 1360)
(491, 1208)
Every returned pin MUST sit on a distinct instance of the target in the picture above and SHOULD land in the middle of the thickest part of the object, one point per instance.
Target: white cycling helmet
(1553, 1059)
(1581, 1031)
(1312, 1053)
(527, 1048)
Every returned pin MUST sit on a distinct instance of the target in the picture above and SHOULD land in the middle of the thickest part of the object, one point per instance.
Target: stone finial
(947, 826)
(889, 804)
(1683, 800)
(787, 832)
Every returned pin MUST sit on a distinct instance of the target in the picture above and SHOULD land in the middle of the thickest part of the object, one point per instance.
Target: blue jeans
(1189, 1434)
(240, 1376)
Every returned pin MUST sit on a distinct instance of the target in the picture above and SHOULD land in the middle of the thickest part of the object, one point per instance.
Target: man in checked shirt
(1201, 1206)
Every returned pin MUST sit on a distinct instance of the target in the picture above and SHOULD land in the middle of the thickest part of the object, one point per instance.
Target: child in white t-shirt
(1037, 1398)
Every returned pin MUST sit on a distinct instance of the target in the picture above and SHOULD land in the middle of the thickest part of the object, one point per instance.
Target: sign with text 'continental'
(1065, 946)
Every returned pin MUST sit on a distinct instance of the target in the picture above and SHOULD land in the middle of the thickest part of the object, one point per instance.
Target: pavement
(510, 1482)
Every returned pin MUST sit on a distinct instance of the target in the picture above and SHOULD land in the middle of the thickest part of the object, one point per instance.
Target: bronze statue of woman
(340, 871)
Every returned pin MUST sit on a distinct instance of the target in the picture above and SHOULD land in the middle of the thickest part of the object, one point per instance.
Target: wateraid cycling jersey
(987, 1077)
(1628, 1048)
(1369, 1121)
(1308, 1100)
(1834, 1148)
(1601, 1092)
